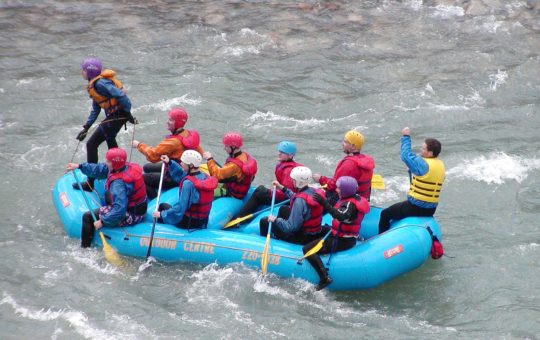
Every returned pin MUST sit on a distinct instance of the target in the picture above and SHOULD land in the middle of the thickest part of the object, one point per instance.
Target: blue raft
(374, 260)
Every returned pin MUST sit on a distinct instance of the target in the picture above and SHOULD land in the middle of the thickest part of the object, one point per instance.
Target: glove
(319, 199)
(82, 135)
(131, 119)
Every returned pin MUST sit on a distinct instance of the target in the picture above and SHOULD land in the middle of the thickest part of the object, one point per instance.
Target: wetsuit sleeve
(229, 172)
(299, 214)
(166, 147)
(107, 88)
(346, 211)
(188, 196)
(119, 193)
(176, 171)
(416, 164)
(94, 170)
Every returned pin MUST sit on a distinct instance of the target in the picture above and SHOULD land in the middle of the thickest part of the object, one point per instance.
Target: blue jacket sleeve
(108, 89)
(416, 164)
(176, 171)
(94, 170)
(96, 109)
(119, 191)
(188, 196)
(299, 213)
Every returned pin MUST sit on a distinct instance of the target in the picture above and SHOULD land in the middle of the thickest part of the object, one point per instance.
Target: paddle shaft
(264, 258)
(156, 209)
(243, 218)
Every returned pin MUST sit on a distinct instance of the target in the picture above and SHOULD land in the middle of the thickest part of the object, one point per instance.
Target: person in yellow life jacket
(347, 213)
(172, 146)
(125, 194)
(355, 164)
(300, 222)
(426, 172)
(195, 193)
(107, 93)
(239, 169)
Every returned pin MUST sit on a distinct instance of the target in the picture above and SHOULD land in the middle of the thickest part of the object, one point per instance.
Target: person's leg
(151, 180)
(152, 167)
(316, 262)
(260, 196)
(88, 229)
(393, 212)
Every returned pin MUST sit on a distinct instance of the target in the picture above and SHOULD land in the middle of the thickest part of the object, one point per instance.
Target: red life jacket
(132, 175)
(240, 188)
(283, 176)
(109, 104)
(313, 224)
(350, 228)
(205, 187)
(362, 173)
(190, 142)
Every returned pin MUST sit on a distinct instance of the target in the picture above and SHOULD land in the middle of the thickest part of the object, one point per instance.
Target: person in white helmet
(196, 192)
(300, 222)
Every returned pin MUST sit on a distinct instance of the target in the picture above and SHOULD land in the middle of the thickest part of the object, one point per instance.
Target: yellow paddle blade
(237, 220)
(264, 258)
(313, 250)
(377, 182)
(204, 168)
(110, 254)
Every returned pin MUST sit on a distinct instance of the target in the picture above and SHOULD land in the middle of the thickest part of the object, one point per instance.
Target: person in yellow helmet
(427, 175)
(355, 164)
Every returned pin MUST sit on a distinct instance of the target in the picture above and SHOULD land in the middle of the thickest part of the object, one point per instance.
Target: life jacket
(313, 224)
(109, 104)
(428, 187)
(350, 228)
(240, 188)
(205, 187)
(190, 139)
(363, 172)
(132, 174)
(283, 172)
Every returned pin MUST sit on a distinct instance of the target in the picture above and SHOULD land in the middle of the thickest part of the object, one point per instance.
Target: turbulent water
(465, 72)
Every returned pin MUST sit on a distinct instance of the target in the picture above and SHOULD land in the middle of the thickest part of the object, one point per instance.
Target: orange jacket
(227, 171)
(169, 146)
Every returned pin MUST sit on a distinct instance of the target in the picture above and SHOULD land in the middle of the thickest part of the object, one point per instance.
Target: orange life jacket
(109, 104)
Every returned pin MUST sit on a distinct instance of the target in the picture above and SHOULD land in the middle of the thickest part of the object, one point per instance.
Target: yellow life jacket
(110, 105)
(428, 187)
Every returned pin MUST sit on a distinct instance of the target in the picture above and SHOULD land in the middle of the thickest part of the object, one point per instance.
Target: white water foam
(495, 168)
(247, 41)
(260, 120)
(497, 79)
(166, 104)
(448, 12)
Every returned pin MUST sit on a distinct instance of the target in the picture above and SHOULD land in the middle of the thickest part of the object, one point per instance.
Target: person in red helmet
(173, 146)
(347, 213)
(107, 93)
(125, 195)
(239, 169)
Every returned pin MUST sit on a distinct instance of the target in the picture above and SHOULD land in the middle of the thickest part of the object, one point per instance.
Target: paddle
(243, 218)
(264, 258)
(315, 249)
(110, 254)
(156, 209)
(377, 182)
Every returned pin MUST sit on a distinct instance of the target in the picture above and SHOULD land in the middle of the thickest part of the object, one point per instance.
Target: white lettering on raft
(158, 243)
(393, 251)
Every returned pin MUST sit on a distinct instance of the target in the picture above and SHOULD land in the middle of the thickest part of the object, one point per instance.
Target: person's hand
(98, 224)
(271, 218)
(156, 214)
(316, 177)
(72, 166)
(318, 198)
(82, 135)
(406, 131)
(207, 155)
(165, 159)
(135, 144)
(277, 185)
(132, 119)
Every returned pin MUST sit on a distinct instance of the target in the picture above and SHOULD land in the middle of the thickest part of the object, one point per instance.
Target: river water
(465, 72)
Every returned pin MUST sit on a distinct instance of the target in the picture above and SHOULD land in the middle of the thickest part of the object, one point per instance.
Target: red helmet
(179, 116)
(117, 157)
(232, 139)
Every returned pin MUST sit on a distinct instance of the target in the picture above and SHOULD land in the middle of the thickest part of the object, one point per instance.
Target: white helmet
(191, 157)
(301, 175)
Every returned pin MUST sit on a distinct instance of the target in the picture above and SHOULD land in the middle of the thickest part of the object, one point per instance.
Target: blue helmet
(287, 147)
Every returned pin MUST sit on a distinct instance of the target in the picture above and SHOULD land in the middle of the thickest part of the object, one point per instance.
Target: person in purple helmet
(107, 93)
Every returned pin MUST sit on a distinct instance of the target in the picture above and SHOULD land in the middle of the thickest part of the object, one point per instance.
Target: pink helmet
(347, 185)
(179, 116)
(117, 157)
(232, 139)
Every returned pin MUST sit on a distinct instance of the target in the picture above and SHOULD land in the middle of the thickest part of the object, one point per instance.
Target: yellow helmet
(355, 138)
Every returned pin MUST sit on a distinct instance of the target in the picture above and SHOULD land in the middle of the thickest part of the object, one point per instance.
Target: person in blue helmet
(107, 93)
(262, 195)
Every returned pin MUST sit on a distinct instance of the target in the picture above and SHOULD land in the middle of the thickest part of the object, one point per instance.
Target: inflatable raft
(374, 260)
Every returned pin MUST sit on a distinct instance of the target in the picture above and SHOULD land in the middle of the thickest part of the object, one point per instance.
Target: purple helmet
(347, 185)
(92, 66)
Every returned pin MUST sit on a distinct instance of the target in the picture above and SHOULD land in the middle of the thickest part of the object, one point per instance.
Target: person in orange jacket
(173, 146)
(239, 169)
